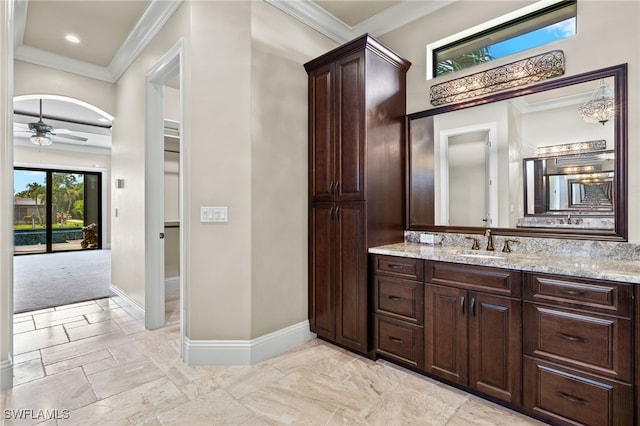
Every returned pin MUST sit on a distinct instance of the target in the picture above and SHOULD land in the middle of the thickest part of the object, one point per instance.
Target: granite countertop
(627, 271)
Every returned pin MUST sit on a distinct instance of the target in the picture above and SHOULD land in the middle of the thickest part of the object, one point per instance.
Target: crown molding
(150, 23)
(62, 63)
(397, 16)
(309, 13)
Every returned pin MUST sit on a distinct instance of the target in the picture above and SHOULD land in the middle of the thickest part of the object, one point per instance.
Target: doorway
(469, 184)
(167, 72)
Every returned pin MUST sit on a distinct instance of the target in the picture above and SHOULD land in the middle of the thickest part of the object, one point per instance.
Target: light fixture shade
(40, 139)
(601, 107)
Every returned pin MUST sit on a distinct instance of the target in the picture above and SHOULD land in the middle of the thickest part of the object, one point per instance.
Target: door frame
(442, 196)
(170, 66)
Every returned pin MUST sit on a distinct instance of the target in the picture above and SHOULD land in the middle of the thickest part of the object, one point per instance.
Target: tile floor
(92, 363)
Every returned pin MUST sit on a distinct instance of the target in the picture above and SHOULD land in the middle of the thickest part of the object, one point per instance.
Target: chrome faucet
(487, 234)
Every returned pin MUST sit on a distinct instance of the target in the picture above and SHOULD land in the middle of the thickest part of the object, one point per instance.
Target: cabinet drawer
(601, 296)
(401, 341)
(598, 343)
(404, 267)
(481, 278)
(402, 299)
(572, 397)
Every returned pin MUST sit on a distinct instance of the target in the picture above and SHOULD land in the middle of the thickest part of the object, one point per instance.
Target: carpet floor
(54, 279)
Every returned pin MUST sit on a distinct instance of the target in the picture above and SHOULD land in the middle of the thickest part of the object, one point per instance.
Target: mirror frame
(417, 219)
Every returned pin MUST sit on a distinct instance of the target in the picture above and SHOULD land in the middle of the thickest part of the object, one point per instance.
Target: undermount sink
(483, 256)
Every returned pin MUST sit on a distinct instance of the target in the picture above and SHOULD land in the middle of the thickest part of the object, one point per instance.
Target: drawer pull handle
(462, 305)
(396, 340)
(573, 399)
(396, 298)
(573, 292)
(570, 338)
(396, 267)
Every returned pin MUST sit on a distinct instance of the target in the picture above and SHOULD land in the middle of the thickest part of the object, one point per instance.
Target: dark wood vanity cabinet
(558, 348)
(398, 306)
(473, 328)
(357, 106)
(578, 345)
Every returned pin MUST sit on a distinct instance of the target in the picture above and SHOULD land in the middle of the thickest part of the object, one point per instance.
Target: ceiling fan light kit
(40, 139)
(42, 132)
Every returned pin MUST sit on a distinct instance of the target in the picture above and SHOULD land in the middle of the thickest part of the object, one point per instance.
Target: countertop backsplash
(547, 246)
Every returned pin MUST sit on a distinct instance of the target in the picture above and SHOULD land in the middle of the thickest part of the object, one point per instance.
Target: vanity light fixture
(601, 107)
(572, 148)
(509, 76)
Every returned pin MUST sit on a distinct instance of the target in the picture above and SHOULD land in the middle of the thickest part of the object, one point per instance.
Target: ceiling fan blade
(72, 137)
(21, 125)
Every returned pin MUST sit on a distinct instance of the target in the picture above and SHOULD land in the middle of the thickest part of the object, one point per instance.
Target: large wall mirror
(523, 162)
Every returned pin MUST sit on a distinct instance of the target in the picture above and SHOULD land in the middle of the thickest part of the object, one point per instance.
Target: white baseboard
(6, 374)
(246, 352)
(135, 309)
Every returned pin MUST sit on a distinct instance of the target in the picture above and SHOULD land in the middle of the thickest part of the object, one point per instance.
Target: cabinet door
(321, 135)
(351, 276)
(322, 270)
(495, 346)
(446, 333)
(350, 127)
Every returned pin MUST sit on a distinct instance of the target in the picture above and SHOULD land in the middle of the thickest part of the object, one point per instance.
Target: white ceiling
(113, 32)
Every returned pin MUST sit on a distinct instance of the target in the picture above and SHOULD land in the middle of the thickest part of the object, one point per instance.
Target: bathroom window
(477, 46)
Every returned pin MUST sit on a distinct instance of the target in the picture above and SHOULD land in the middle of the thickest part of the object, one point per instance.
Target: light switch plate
(214, 214)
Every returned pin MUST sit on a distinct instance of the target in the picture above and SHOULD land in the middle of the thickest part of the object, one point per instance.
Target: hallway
(96, 364)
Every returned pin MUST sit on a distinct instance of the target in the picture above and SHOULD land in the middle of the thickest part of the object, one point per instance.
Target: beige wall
(280, 45)
(245, 148)
(591, 49)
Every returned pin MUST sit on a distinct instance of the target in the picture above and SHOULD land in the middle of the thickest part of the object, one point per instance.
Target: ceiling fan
(42, 132)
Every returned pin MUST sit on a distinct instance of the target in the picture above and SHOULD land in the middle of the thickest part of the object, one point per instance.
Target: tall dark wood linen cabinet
(357, 107)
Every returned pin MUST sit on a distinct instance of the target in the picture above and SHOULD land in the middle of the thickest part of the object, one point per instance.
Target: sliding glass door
(56, 210)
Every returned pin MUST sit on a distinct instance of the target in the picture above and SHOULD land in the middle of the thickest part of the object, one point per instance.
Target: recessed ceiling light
(71, 38)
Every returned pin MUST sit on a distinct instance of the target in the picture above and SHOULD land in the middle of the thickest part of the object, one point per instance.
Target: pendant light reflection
(601, 107)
